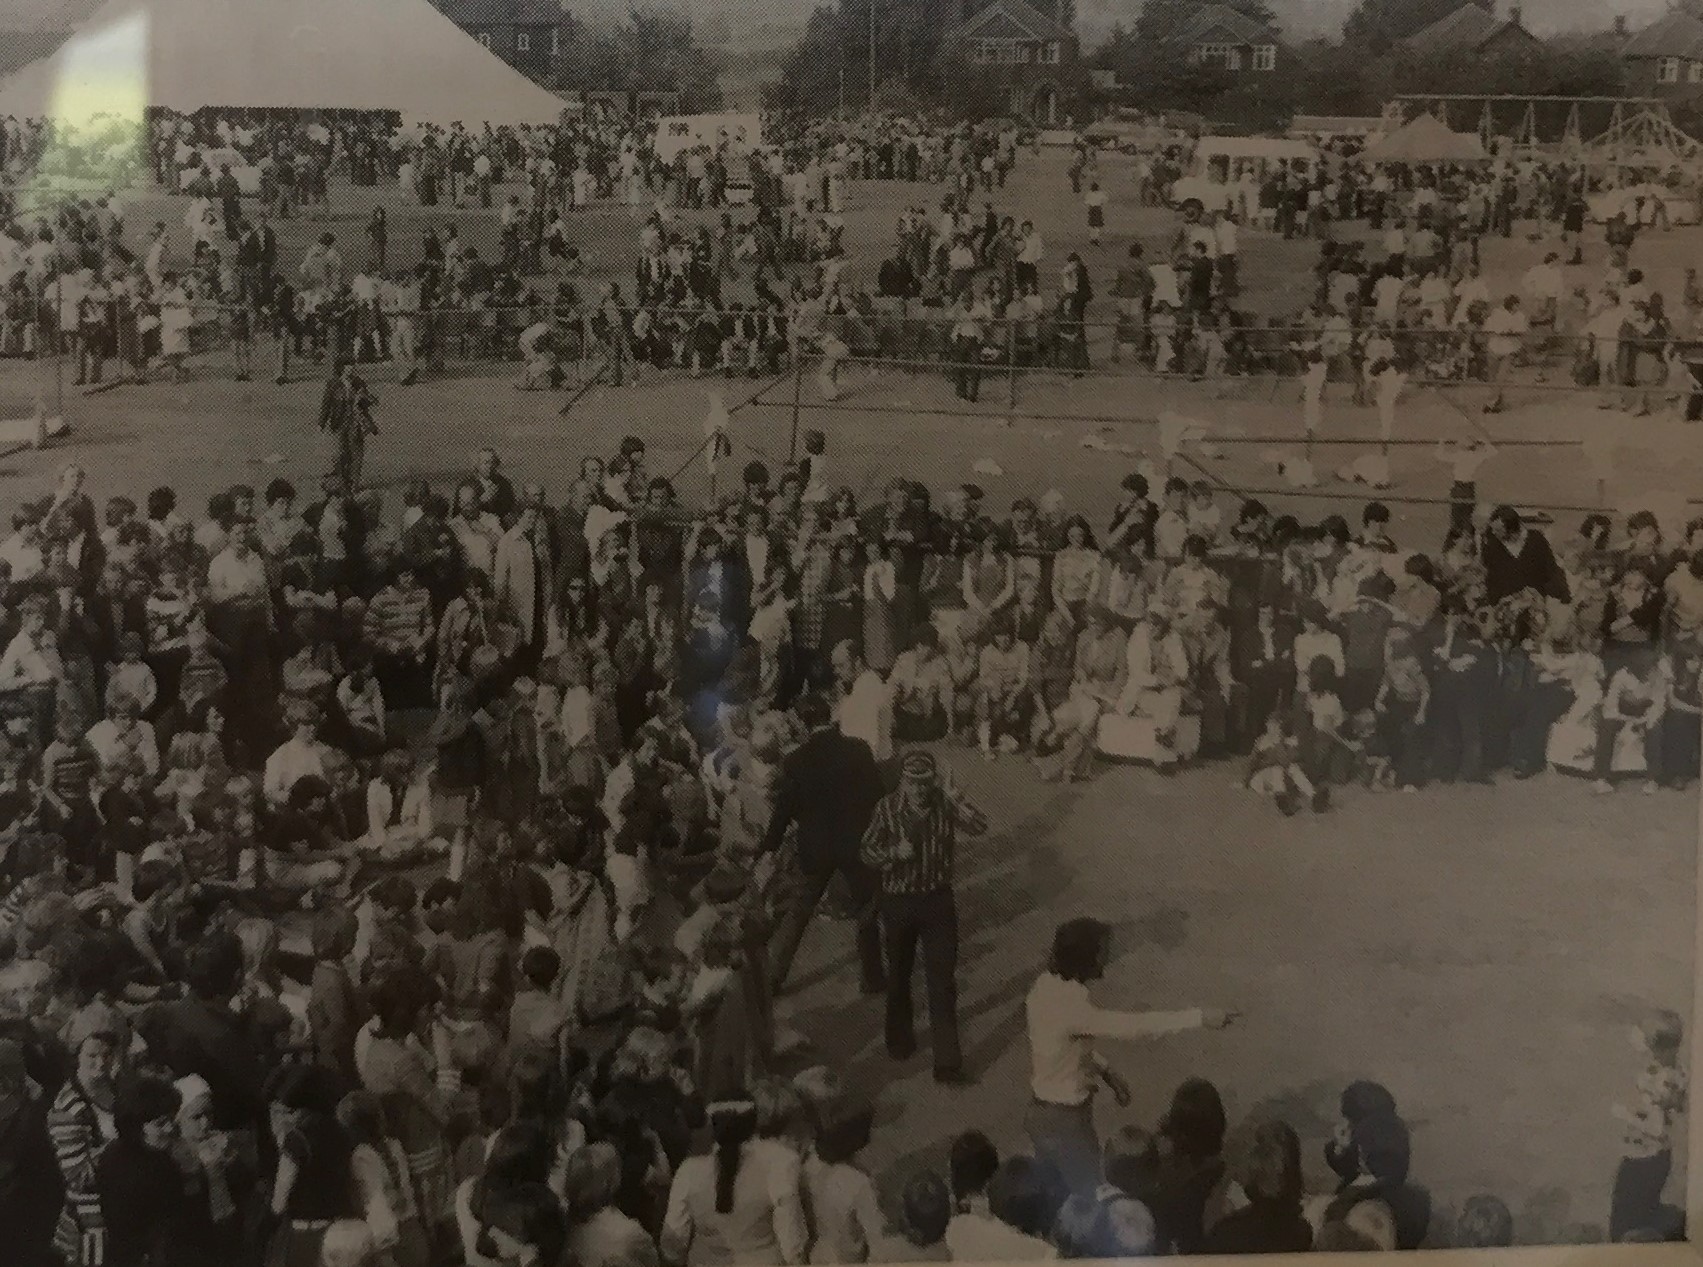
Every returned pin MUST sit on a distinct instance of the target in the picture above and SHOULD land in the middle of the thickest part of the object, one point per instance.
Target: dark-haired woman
(736, 1204)
(843, 1208)
(1192, 1143)
(143, 1193)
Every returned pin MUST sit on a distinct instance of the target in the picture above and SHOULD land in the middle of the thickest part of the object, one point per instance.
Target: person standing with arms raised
(1063, 1023)
(912, 842)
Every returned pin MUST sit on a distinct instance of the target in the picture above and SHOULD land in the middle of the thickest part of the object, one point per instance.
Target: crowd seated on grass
(455, 818)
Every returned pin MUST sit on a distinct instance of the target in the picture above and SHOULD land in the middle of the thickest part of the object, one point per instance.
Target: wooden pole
(1011, 370)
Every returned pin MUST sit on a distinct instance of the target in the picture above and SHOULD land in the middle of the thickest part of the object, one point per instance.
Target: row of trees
(649, 50)
(1353, 74)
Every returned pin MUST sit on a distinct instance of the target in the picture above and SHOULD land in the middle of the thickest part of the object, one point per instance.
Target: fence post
(797, 395)
(58, 346)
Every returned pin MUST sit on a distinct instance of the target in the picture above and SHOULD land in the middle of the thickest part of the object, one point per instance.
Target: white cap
(192, 1090)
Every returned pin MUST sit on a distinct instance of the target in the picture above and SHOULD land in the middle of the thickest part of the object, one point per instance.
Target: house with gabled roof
(527, 34)
(1665, 59)
(1220, 36)
(1472, 30)
(1031, 58)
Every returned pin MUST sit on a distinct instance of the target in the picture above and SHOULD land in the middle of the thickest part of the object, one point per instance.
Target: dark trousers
(1637, 1199)
(967, 368)
(1457, 726)
(1533, 710)
(931, 920)
(803, 895)
(1063, 1134)
(1404, 742)
(1463, 501)
(1682, 746)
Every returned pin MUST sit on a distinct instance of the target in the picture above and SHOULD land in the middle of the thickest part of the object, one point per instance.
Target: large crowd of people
(1400, 292)
(409, 885)
(404, 884)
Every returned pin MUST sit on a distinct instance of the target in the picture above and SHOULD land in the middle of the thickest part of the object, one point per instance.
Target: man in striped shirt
(399, 629)
(912, 842)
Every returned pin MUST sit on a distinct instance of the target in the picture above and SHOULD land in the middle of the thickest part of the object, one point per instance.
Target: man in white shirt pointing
(1063, 1023)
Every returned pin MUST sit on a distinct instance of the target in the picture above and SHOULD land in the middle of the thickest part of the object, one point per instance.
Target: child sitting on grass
(1276, 768)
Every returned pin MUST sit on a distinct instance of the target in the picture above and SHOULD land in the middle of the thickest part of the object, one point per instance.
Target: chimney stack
(1620, 24)
(1514, 14)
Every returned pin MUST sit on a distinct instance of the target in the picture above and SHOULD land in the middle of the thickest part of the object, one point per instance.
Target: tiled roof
(1468, 27)
(1678, 34)
(1233, 22)
(1031, 19)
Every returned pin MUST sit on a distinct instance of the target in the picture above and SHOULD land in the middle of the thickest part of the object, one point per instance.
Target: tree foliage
(650, 50)
(834, 52)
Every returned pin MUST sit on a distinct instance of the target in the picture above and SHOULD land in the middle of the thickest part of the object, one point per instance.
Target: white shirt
(866, 713)
(980, 1238)
(1227, 236)
(288, 765)
(1506, 329)
(229, 577)
(110, 745)
(576, 717)
(1063, 1022)
(416, 816)
(30, 662)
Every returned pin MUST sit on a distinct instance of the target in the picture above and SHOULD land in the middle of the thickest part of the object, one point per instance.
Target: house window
(1696, 73)
(1667, 70)
(1025, 54)
(485, 38)
(523, 43)
(1049, 53)
(1265, 57)
(1227, 56)
(1000, 53)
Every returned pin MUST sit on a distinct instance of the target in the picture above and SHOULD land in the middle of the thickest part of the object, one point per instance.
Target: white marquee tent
(185, 55)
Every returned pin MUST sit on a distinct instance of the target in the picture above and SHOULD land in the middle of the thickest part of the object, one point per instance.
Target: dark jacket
(194, 1036)
(1533, 568)
(145, 1205)
(1263, 1227)
(30, 1186)
(829, 786)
